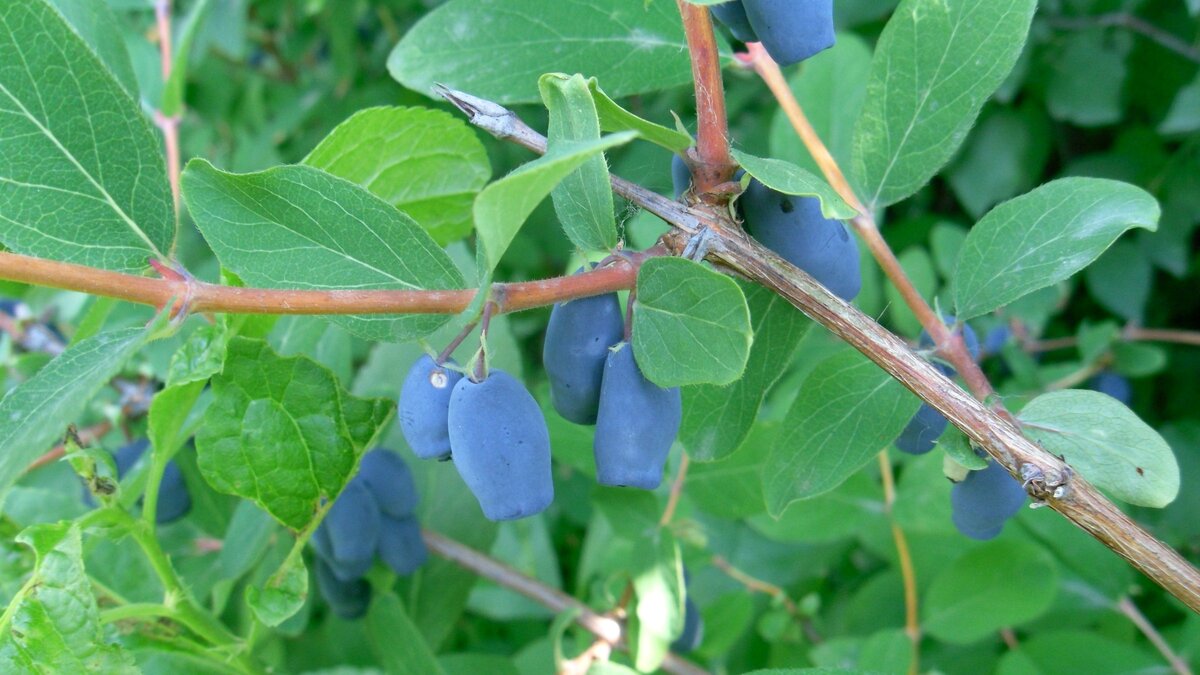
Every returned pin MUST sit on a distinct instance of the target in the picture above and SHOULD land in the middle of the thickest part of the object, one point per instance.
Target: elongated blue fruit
(577, 342)
(793, 227)
(390, 482)
(733, 15)
(501, 446)
(984, 501)
(424, 399)
(791, 30)
(637, 424)
(351, 530)
(347, 599)
(401, 546)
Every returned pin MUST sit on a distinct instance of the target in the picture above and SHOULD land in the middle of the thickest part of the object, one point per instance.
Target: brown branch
(676, 490)
(1130, 610)
(606, 628)
(712, 165)
(169, 125)
(1133, 23)
(205, 297)
(733, 250)
(1130, 334)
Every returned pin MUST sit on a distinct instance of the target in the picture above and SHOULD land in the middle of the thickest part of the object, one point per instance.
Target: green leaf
(201, 356)
(847, 412)
(1121, 280)
(1107, 443)
(1003, 158)
(82, 178)
(658, 587)
(583, 200)
(1087, 76)
(615, 118)
(299, 227)
(427, 163)
(716, 420)
(830, 88)
(935, 66)
(1184, 115)
(976, 595)
(790, 179)
(35, 414)
(398, 644)
(691, 325)
(1085, 651)
(503, 206)
(497, 49)
(1043, 237)
(55, 623)
(282, 432)
(283, 595)
(97, 25)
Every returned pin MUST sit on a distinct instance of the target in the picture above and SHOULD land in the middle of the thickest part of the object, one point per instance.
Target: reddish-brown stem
(169, 125)
(712, 164)
(606, 628)
(779, 595)
(676, 491)
(458, 340)
(1131, 334)
(232, 300)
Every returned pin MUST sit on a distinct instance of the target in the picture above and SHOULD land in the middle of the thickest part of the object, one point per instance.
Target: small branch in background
(603, 627)
(676, 491)
(712, 166)
(776, 593)
(1126, 606)
(169, 125)
(1130, 334)
(1128, 21)
(1010, 639)
(908, 574)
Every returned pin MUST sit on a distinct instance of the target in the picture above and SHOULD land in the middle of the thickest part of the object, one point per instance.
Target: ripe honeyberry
(984, 500)
(793, 227)
(577, 342)
(637, 424)
(424, 399)
(927, 425)
(348, 599)
(791, 30)
(733, 15)
(1114, 385)
(400, 544)
(349, 535)
(390, 482)
(501, 446)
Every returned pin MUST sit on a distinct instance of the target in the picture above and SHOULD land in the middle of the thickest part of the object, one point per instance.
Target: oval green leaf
(1105, 442)
(790, 179)
(1043, 237)
(691, 325)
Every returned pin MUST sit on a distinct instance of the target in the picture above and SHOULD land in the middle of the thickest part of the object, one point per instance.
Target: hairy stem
(604, 627)
(712, 165)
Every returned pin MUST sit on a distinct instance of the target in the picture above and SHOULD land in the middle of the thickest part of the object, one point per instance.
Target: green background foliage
(1035, 166)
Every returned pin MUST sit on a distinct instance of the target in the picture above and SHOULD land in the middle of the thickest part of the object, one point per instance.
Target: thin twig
(908, 574)
(1131, 334)
(756, 585)
(1133, 23)
(233, 300)
(676, 490)
(1126, 606)
(168, 124)
(606, 628)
